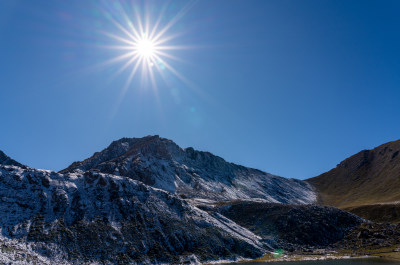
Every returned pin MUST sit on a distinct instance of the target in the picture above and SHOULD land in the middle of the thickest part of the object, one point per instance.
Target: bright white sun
(146, 48)
(143, 41)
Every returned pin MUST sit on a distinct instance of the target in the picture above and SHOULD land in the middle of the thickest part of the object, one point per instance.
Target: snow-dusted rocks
(189, 173)
(95, 217)
(139, 201)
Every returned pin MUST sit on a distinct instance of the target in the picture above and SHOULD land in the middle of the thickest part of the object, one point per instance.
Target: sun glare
(143, 41)
(146, 48)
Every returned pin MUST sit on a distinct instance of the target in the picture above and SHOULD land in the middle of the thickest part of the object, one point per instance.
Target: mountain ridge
(366, 183)
(6, 160)
(161, 163)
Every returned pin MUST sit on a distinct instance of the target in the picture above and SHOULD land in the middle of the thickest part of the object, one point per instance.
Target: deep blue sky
(288, 87)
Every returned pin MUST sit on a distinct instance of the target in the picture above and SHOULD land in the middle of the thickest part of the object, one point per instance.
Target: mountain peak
(161, 163)
(8, 161)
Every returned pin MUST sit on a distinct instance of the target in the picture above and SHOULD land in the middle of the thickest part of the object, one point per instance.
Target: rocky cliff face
(101, 218)
(192, 174)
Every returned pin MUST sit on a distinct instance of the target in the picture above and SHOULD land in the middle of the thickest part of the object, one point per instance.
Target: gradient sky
(288, 87)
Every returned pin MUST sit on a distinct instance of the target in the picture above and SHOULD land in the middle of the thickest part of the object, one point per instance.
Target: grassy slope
(369, 177)
(377, 212)
(363, 181)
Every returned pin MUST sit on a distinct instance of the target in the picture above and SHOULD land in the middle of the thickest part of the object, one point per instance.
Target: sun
(143, 41)
(146, 48)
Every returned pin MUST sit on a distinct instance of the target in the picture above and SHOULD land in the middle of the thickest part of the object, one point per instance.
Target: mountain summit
(8, 161)
(193, 174)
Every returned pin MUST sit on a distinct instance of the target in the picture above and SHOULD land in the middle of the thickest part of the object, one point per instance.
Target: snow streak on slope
(189, 173)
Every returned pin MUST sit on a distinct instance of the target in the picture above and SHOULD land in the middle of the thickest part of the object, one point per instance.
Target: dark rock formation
(299, 225)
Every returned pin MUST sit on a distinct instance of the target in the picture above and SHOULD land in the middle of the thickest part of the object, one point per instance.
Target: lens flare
(278, 253)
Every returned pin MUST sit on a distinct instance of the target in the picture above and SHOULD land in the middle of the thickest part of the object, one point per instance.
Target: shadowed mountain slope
(291, 225)
(190, 173)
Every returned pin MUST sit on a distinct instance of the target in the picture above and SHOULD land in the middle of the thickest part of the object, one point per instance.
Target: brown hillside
(381, 213)
(367, 178)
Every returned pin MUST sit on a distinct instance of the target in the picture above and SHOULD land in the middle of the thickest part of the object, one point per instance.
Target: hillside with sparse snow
(95, 217)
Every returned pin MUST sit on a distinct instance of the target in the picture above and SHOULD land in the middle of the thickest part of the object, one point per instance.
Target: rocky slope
(367, 179)
(148, 201)
(368, 237)
(102, 218)
(189, 173)
(291, 227)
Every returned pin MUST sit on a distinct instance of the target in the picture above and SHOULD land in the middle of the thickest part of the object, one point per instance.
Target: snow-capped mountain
(97, 218)
(193, 174)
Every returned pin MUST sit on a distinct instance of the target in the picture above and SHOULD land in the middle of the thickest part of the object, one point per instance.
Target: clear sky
(288, 87)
